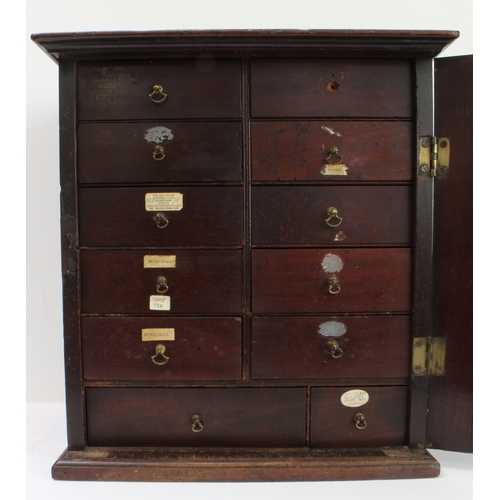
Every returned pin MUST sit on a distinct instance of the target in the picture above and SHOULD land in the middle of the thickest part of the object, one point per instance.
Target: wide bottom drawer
(245, 417)
(358, 417)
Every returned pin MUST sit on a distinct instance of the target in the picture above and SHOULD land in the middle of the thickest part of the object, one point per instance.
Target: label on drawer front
(158, 334)
(159, 303)
(159, 261)
(354, 398)
(164, 202)
(337, 169)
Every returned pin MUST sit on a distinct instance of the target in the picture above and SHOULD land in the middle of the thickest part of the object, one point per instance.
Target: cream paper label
(159, 303)
(158, 334)
(164, 202)
(354, 398)
(337, 169)
(159, 261)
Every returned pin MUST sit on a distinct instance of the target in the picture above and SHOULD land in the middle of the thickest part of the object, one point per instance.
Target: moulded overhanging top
(283, 43)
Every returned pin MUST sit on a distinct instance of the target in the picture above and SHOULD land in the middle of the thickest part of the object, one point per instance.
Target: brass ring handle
(160, 351)
(161, 220)
(197, 425)
(360, 421)
(161, 286)
(333, 285)
(333, 213)
(333, 151)
(158, 153)
(336, 350)
(157, 90)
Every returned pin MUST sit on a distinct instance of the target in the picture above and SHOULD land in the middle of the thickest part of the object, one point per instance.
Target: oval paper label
(354, 398)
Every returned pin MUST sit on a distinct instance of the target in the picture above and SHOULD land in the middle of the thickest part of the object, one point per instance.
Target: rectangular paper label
(159, 303)
(158, 334)
(163, 202)
(334, 170)
(163, 261)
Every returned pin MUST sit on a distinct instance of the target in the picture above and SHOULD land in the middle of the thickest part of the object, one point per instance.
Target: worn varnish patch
(332, 329)
(158, 134)
(332, 263)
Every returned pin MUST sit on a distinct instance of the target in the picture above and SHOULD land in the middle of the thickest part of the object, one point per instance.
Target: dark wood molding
(282, 43)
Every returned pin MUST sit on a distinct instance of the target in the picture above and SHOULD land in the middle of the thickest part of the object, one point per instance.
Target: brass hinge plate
(429, 356)
(434, 156)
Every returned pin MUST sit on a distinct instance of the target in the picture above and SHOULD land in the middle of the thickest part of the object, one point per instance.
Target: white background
(40, 294)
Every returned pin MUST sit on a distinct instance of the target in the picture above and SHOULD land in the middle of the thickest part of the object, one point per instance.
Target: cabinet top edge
(236, 43)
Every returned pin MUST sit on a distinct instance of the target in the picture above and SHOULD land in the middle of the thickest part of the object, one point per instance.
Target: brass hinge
(434, 156)
(429, 356)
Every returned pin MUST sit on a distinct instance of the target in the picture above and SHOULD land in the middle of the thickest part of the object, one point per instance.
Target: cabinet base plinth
(237, 465)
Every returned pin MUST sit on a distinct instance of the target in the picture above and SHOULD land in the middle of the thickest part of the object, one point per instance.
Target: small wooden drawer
(305, 151)
(338, 421)
(161, 216)
(326, 280)
(225, 417)
(303, 347)
(202, 281)
(201, 88)
(161, 348)
(302, 215)
(160, 152)
(320, 87)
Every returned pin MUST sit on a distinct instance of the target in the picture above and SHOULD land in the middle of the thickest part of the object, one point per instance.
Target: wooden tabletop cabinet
(266, 251)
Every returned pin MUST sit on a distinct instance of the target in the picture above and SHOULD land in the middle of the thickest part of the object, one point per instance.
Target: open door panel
(449, 425)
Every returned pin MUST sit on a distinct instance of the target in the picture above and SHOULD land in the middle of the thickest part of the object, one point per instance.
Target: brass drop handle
(360, 421)
(335, 349)
(158, 153)
(161, 220)
(160, 352)
(197, 425)
(333, 151)
(161, 284)
(333, 285)
(157, 91)
(333, 213)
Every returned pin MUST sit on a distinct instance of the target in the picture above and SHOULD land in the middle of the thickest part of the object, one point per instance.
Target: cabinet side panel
(450, 396)
(69, 238)
(422, 259)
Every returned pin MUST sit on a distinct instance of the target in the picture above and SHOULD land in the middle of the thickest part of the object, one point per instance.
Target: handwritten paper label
(337, 169)
(164, 202)
(159, 261)
(158, 334)
(159, 303)
(354, 398)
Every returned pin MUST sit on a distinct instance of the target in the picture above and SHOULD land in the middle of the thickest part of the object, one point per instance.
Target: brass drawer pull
(157, 91)
(335, 349)
(161, 220)
(333, 213)
(161, 286)
(197, 425)
(333, 151)
(158, 153)
(333, 285)
(160, 351)
(360, 421)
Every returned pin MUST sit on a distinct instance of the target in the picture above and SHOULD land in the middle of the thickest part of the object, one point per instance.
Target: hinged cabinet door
(449, 425)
